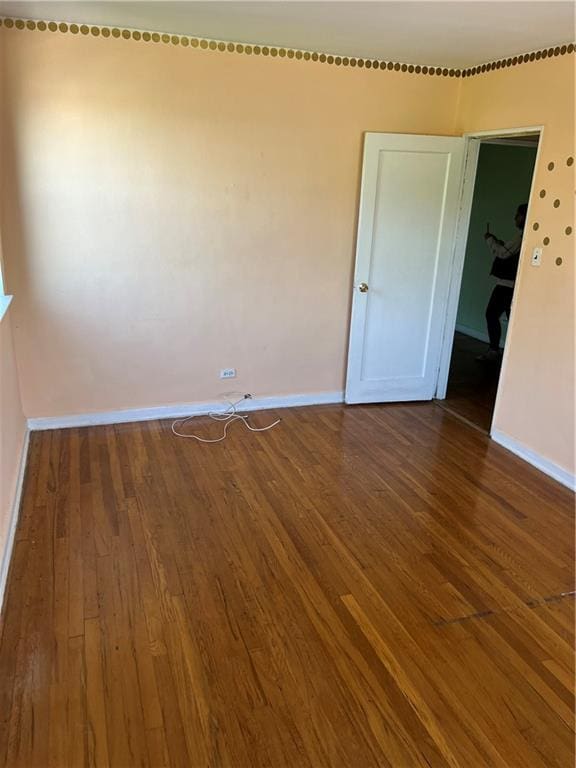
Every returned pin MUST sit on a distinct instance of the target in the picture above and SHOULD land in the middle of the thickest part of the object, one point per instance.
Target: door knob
(363, 287)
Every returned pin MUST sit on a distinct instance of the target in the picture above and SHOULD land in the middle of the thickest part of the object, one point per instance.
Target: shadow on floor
(472, 385)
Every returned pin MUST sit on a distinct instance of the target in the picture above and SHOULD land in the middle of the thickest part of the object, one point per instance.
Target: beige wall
(170, 212)
(536, 403)
(12, 434)
(12, 419)
(177, 212)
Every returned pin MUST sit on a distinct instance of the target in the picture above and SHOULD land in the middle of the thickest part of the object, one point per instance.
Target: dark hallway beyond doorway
(472, 385)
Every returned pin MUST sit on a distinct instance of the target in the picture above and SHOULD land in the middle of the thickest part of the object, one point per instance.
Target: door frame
(471, 151)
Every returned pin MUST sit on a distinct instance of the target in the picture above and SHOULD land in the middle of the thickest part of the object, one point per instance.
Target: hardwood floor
(472, 386)
(364, 586)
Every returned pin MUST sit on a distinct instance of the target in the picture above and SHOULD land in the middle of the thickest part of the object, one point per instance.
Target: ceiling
(448, 34)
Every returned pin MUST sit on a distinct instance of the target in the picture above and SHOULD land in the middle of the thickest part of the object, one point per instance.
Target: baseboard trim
(14, 515)
(474, 334)
(180, 411)
(544, 465)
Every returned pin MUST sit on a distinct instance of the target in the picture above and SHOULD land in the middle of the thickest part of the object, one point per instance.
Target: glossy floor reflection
(364, 586)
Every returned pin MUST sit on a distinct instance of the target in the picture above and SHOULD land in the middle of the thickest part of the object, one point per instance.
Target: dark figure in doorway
(504, 268)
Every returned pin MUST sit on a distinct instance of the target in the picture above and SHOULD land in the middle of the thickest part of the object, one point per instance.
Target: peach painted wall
(175, 212)
(169, 212)
(536, 403)
(12, 434)
(12, 419)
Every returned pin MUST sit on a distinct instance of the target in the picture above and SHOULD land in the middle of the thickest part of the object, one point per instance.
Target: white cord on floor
(228, 416)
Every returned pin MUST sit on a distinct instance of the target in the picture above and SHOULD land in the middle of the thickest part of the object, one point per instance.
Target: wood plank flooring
(472, 386)
(364, 586)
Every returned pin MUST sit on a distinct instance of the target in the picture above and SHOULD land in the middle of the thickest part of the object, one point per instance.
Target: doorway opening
(501, 192)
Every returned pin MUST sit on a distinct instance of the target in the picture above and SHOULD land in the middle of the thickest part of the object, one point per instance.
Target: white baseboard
(180, 410)
(544, 465)
(474, 334)
(14, 514)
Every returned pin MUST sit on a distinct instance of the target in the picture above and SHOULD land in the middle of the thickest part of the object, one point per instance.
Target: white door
(408, 214)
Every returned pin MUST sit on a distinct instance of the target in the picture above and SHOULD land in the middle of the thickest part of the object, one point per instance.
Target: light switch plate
(536, 257)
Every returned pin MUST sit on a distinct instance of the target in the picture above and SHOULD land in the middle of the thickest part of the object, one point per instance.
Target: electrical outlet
(228, 373)
(536, 257)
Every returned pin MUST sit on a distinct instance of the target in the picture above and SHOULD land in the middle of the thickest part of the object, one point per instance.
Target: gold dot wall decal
(570, 161)
(556, 203)
(542, 193)
(535, 226)
(558, 261)
(546, 241)
(283, 53)
(568, 231)
(550, 166)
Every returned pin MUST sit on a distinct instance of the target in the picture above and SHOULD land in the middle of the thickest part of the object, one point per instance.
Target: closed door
(408, 213)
